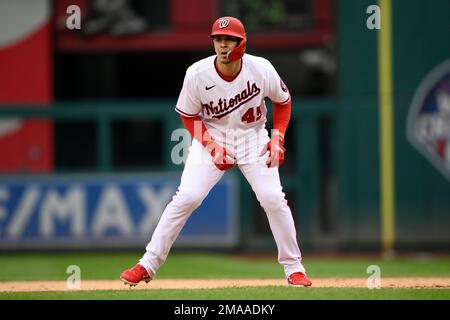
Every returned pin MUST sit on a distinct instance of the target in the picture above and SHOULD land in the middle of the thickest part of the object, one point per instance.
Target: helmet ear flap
(237, 52)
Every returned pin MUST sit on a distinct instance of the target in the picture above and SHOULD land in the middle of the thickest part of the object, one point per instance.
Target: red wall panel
(26, 80)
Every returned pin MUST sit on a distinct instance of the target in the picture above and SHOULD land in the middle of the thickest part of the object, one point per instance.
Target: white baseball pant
(198, 178)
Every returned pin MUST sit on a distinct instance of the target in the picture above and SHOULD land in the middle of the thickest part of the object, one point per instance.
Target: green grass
(109, 265)
(246, 293)
(400, 267)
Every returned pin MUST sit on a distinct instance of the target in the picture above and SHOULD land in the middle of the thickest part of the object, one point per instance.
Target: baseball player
(222, 105)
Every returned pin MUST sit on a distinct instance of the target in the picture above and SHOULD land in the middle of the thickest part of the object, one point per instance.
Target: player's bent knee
(188, 200)
(272, 201)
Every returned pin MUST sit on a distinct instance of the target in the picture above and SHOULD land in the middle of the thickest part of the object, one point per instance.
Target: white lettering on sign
(155, 204)
(35, 210)
(112, 212)
(23, 213)
(63, 207)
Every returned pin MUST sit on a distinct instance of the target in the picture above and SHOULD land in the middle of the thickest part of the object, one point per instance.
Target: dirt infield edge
(162, 284)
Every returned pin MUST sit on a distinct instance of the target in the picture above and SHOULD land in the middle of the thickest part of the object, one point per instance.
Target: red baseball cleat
(299, 279)
(135, 275)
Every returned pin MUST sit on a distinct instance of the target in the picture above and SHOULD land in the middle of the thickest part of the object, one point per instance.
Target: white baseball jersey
(233, 111)
(235, 114)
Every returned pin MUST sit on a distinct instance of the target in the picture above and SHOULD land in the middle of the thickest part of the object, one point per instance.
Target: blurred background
(87, 123)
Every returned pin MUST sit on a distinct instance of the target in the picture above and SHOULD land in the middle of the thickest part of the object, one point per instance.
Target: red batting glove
(276, 151)
(223, 158)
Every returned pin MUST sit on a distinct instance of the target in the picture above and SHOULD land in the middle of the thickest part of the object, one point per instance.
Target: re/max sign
(83, 210)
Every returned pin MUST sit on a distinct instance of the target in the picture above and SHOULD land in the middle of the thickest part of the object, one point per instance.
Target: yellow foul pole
(387, 182)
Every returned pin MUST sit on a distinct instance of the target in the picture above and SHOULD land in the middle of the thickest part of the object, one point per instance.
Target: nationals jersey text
(221, 109)
(232, 110)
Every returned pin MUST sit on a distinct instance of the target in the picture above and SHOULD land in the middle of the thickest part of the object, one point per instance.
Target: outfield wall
(332, 172)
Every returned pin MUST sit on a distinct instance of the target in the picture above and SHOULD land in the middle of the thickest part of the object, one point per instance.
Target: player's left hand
(276, 151)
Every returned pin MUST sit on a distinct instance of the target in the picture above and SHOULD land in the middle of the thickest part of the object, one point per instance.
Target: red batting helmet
(232, 27)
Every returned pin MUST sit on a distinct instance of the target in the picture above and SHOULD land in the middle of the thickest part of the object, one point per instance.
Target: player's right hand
(223, 158)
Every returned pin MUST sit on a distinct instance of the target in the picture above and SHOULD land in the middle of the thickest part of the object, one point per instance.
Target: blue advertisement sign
(108, 211)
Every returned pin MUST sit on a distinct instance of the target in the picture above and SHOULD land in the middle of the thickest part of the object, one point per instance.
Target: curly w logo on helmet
(223, 23)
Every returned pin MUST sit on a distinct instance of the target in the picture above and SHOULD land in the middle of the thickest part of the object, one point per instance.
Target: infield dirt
(36, 286)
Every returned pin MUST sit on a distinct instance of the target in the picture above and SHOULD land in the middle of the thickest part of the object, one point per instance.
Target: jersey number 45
(250, 116)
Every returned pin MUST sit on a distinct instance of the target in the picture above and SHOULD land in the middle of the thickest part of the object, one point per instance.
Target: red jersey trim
(284, 102)
(186, 114)
(224, 77)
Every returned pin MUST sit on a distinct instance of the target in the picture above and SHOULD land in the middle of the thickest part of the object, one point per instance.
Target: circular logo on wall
(428, 123)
